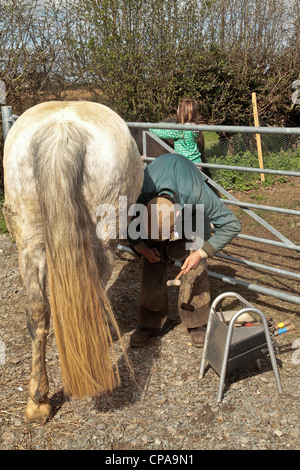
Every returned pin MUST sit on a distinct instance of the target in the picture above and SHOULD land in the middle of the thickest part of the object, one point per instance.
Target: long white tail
(79, 306)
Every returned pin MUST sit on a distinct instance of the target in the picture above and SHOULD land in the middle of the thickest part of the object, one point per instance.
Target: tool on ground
(281, 327)
(282, 324)
(284, 329)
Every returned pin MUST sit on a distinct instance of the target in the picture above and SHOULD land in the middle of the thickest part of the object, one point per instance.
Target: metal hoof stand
(227, 348)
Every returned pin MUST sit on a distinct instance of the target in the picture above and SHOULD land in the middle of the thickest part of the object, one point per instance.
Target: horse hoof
(37, 412)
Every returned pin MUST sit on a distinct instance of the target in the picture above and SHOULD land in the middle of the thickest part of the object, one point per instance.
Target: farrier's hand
(152, 256)
(193, 260)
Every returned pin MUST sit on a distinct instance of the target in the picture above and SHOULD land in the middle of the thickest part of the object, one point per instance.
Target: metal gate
(8, 119)
(283, 242)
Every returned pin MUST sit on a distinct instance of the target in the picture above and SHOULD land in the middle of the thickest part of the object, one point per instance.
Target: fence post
(258, 139)
(6, 112)
(2, 92)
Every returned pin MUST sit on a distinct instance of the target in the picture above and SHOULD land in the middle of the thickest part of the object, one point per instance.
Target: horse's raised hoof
(37, 412)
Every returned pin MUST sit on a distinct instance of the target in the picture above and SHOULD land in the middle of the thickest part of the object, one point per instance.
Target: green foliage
(3, 228)
(140, 57)
(243, 181)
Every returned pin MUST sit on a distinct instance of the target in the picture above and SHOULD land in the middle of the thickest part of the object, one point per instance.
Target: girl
(185, 141)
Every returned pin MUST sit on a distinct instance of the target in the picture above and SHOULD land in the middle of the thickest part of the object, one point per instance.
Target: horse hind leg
(33, 271)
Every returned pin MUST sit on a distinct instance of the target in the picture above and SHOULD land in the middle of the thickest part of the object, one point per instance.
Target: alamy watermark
(188, 222)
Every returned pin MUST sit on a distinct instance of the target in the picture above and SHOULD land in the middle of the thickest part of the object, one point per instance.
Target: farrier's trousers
(193, 297)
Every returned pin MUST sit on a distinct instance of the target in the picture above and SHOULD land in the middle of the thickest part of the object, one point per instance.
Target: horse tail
(80, 309)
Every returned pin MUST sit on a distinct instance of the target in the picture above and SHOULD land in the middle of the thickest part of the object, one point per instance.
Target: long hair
(187, 112)
(80, 309)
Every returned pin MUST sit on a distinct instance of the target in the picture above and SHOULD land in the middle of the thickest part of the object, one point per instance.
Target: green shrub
(240, 180)
(3, 228)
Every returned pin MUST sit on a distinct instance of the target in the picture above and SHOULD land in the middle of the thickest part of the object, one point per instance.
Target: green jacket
(185, 142)
(176, 173)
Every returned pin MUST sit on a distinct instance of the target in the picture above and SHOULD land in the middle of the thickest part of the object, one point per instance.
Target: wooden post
(258, 140)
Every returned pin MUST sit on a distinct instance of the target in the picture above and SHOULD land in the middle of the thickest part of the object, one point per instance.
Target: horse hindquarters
(56, 162)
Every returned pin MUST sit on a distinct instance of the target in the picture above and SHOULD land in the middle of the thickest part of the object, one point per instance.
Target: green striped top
(185, 142)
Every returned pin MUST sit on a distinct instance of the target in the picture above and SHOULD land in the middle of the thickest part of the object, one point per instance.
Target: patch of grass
(259, 197)
(243, 181)
(3, 228)
(211, 139)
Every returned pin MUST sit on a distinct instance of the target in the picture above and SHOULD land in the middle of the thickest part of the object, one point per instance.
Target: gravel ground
(164, 407)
